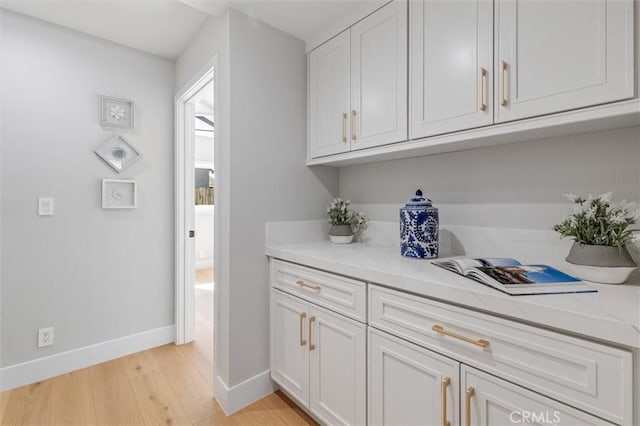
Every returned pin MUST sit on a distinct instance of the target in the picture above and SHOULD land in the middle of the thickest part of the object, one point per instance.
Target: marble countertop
(611, 315)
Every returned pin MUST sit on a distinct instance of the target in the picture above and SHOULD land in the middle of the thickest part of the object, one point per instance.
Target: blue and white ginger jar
(419, 228)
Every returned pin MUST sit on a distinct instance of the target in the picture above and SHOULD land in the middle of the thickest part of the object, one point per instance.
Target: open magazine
(514, 278)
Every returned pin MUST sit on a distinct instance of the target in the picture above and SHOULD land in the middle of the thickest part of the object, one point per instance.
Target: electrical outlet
(45, 337)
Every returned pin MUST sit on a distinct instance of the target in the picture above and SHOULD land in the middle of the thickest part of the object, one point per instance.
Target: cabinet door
(410, 385)
(557, 55)
(337, 349)
(451, 76)
(487, 400)
(289, 345)
(379, 77)
(329, 97)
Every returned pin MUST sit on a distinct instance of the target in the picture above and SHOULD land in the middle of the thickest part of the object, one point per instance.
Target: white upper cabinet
(553, 56)
(451, 74)
(358, 85)
(379, 77)
(329, 98)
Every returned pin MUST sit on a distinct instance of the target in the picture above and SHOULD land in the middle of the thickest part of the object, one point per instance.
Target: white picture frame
(117, 153)
(119, 194)
(116, 112)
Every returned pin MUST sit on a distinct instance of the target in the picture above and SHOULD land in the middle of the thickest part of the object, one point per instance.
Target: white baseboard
(235, 398)
(54, 365)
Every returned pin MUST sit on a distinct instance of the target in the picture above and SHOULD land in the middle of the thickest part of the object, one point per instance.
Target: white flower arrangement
(340, 213)
(595, 221)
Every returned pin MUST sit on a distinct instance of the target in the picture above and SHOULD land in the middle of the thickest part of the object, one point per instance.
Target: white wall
(93, 274)
(260, 152)
(211, 39)
(204, 240)
(269, 179)
(518, 185)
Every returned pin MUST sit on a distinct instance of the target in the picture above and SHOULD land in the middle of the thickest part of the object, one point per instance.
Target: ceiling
(165, 27)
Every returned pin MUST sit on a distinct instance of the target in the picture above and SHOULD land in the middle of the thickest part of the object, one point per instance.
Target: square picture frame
(116, 112)
(117, 153)
(119, 194)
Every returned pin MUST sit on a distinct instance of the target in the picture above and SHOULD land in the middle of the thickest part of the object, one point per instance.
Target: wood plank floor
(168, 385)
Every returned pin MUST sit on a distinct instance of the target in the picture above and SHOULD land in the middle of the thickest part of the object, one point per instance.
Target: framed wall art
(118, 153)
(116, 112)
(119, 194)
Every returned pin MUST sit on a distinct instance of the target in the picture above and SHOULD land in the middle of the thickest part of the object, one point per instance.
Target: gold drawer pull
(311, 321)
(303, 315)
(353, 125)
(309, 286)
(503, 99)
(344, 127)
(480, 342)
(483, 75)
(467, 404)
(445, 383)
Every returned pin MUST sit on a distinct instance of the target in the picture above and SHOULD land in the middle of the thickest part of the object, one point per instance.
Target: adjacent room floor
(169, 385)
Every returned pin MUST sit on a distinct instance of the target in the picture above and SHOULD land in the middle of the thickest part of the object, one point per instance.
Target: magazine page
(497, 261)
(464, 265)
(518, 275)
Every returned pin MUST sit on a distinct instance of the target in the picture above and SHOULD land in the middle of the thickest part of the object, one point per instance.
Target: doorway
(195, 218)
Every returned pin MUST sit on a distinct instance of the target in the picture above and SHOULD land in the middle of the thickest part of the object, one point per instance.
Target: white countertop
(612, 314)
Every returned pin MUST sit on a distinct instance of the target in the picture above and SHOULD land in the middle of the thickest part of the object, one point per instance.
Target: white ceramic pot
(600, 264)
(341, 234)
(601, 274)
(341, 239)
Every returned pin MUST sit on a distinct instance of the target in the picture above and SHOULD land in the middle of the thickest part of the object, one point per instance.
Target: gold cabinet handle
(309, 286)
(503, 67)
(480, 342)
(311, 321)
(483, 76)
(445, 383)
(353, 125)
(303, 315)
(344, 127)
(467, 404)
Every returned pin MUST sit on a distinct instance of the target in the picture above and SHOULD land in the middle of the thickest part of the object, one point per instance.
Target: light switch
(45, 206)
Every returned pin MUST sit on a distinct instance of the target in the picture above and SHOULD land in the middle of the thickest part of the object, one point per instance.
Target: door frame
(184, 209)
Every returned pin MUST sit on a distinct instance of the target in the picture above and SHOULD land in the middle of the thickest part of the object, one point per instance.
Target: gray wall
(261, 176)
(518, 185)
(93, 274)
(268, 177)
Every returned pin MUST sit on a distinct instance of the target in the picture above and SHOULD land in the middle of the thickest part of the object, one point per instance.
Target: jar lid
(419, 200)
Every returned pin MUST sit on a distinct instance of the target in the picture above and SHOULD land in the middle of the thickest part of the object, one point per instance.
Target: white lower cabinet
(411, 385)
(488, 400)
(318, 357)
(353, 353)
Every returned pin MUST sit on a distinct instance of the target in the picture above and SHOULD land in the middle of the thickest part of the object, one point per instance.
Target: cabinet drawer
(337, 293)
(586, 375)
(495, 402)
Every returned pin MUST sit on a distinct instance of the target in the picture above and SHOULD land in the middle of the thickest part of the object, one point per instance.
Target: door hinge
(192, 234)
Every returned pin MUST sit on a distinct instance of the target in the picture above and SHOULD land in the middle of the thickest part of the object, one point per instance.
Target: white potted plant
(601, 232)
(345, 223)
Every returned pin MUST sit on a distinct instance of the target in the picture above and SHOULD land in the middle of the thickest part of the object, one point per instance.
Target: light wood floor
(167, 385)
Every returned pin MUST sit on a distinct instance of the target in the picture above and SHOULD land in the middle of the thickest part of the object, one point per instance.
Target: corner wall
(93, 274)
(269, 179)
(261, 177)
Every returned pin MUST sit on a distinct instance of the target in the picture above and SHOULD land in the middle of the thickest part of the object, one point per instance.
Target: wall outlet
(45, 337)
